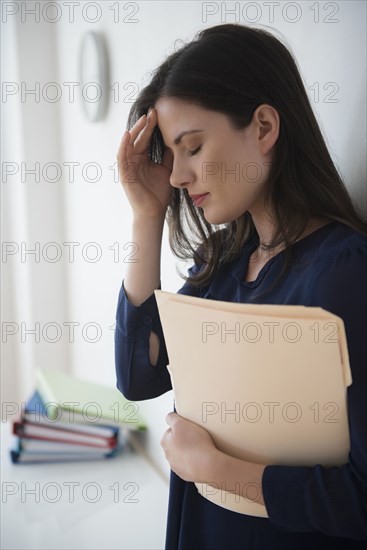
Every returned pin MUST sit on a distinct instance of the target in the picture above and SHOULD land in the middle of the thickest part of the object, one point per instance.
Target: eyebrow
(184, 133)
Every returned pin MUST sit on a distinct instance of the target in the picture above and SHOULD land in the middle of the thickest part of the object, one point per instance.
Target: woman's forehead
(176, 117)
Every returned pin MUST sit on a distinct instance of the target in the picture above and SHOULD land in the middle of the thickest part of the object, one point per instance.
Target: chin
(218, 219)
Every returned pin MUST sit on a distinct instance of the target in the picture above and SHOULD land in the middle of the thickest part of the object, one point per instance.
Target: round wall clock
(93, 73)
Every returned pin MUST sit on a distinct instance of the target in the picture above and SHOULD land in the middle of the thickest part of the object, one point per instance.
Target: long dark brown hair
(232, 69)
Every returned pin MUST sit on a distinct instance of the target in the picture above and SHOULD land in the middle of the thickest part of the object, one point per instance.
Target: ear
(266, 121)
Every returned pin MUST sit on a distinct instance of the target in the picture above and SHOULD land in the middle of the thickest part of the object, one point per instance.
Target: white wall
(83, 212)
(34, 291)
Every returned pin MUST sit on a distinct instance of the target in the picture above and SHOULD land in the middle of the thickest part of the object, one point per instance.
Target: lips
(197, 199)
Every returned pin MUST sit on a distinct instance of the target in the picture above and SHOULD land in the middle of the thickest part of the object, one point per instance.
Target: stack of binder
(69, 419)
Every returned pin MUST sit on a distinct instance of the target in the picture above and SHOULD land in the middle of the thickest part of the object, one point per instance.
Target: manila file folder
(268, 382)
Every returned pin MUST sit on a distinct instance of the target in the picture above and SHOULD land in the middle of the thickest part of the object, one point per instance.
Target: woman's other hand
(188, 448)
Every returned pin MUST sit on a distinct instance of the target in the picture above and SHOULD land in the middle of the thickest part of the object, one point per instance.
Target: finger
(132, 138)
(122, 152)
(164, 437)
(141, 143)
(134, 134)
(139, 124)
(172, 419)
(125, 138)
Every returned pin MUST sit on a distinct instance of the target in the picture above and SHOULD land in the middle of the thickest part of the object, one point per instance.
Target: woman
(232, 156)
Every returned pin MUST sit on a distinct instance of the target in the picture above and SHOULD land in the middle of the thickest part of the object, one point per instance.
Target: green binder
(71, 399)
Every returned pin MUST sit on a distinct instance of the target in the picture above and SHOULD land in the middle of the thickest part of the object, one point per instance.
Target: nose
(180, 176)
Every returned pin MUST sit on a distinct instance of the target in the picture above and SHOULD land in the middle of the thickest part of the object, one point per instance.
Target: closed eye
(194, 151)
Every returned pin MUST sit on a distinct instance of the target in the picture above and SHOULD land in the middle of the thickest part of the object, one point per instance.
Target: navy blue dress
(323, 507)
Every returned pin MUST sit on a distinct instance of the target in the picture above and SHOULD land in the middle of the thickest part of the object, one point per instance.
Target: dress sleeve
(332, 500)
(137, 379)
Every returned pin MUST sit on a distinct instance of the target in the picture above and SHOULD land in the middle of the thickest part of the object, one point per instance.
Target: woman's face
(229, 166)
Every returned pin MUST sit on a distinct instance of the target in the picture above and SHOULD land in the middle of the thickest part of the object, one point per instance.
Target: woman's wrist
(226, 473)
(147, 221)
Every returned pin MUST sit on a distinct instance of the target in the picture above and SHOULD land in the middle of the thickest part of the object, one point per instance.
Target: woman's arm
(137, 378)
(330, 500)
(141, 364)
(148, 189)
(140, 367)
(333, 500)
(143, 277)
(193, 456)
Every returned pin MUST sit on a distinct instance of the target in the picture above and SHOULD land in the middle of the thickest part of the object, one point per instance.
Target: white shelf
(120, 503)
